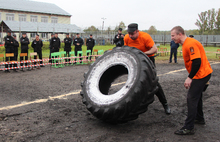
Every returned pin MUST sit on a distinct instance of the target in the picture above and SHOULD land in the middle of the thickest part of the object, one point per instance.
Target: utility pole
(102, 27)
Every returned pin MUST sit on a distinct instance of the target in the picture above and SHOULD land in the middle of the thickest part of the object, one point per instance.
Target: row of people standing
(77, 42)
(11, 46)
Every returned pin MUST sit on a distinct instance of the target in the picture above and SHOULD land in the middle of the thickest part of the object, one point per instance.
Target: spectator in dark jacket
(67, 48)
(9, 47)
(52, 35)
(16, 45)
(55, 43)
(78, 42)
(24, 47)
(37, 44)
(119, 38)
(90, 43)
(173, 47)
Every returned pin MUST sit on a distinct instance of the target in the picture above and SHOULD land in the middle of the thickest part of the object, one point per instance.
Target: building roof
(39, 27)
(32, 6)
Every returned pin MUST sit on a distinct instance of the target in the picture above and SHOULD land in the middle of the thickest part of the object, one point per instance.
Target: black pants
(89, 48)
(52, 51)
(67, 55)
(8, 59)
(39, 53)
(50, 56)
(26, 57)
(153, 60)
(15, 58)
(160, 94)
(194, 101)
(76, 51)
(173, 52)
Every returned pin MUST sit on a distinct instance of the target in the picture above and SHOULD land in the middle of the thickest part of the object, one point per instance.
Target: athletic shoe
(167, 109)
(201, 122)
(184, 131)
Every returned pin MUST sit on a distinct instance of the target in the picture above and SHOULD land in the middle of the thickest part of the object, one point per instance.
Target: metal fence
(206, 40)
(105, 37)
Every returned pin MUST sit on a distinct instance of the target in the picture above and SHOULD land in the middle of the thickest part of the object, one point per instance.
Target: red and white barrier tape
(31, 61)
(37, 60)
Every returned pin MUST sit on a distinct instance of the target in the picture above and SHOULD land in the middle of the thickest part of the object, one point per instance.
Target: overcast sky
(163, 14)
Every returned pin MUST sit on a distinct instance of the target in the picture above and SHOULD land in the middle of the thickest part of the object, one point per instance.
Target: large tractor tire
(132, 98)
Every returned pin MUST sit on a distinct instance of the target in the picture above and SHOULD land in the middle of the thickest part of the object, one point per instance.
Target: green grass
(46, 51)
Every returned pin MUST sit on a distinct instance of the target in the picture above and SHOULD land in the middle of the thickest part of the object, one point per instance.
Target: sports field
(45, 105)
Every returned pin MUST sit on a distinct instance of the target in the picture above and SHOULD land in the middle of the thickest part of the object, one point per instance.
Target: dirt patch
(67, 119)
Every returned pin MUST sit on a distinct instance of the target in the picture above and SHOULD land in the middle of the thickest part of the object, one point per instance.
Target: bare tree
(202, 23)
(152, 30)
(211, 21)
(217, 23)
(92, 28)
(121, 25)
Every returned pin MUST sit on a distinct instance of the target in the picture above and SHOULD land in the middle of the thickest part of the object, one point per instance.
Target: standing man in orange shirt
(199, 70)
(145, 43)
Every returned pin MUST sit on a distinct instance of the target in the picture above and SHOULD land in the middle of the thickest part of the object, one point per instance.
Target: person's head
(77, 35)
(24, 35)
(120, 30)
(9, 32)
(52, 35)
(90, 36)
(37, 36)
(191, 36)
(14, 36)
(178, 34)
(67, 35)
(133, 31)
(56, 35)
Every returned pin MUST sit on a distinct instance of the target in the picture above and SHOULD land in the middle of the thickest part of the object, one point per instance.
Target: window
(44, 19)
(22, 17)
(33, 18)
(54, 19)
(33, 35)
(44, 35)
(9, 17)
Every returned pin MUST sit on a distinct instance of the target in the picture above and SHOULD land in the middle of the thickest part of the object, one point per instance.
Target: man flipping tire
(145, 43)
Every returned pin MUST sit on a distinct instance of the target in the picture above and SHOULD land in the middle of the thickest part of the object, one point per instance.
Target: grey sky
(163, 14)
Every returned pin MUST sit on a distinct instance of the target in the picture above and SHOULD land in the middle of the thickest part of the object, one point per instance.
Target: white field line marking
(77, 92)
(39, 101)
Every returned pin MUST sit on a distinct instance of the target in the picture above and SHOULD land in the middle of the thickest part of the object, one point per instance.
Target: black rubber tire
(133, 98)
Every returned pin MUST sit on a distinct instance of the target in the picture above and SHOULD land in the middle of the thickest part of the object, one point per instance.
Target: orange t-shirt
(193, 49)
(144, 42)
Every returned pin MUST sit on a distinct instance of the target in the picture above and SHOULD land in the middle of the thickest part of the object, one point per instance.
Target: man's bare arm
(153, 50)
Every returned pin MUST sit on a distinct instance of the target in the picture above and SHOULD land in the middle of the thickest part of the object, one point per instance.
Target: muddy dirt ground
(32, 109)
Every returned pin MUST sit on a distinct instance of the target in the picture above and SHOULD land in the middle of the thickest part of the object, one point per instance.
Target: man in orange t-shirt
(141, 41)
(199, 70)
(145, 43)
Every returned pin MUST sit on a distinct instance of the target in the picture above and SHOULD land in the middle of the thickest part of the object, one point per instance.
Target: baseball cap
(120, 29)
(14, 35)
(132, 27)
(9, 31)
(191, 35)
